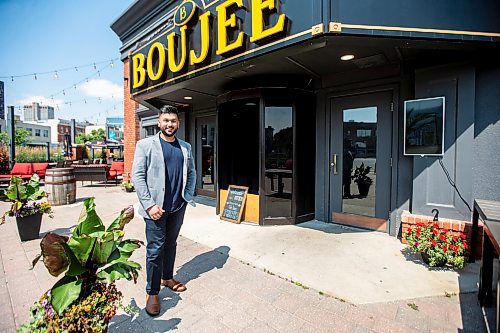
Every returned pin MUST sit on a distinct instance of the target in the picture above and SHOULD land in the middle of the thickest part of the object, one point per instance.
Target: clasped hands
(155, 212)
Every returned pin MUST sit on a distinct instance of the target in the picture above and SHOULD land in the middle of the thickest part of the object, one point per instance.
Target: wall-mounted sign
(201, 37)
(233, 208)
(424, 127)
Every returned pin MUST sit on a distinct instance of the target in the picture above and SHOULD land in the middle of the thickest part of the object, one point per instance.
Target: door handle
(334, 164)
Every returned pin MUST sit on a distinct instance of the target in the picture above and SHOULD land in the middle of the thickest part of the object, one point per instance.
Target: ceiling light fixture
(347, 57)
(188, 97)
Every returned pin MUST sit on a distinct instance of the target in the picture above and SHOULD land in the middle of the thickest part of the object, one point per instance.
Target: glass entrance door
(205, 153)
(360, 172)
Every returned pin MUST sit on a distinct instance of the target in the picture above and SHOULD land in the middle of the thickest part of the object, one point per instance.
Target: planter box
(409, 220)
(29, 226)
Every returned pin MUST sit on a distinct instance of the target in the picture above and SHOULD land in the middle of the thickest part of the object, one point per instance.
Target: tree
(21, 134)
(95, 135)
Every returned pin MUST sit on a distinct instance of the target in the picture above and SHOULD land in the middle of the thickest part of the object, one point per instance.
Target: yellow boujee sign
(172, 55)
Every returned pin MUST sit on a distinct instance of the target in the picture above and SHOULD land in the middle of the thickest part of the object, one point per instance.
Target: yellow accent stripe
(438, 31)
(205, 6)
(226, 60)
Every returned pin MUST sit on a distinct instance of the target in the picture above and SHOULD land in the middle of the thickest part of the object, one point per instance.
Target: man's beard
(167, 134)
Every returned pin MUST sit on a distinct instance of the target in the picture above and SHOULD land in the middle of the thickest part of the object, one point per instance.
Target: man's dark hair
(169, 109)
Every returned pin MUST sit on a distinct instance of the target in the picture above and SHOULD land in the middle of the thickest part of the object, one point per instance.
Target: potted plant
(362, 179)
(128, 186)
(25, 208)
(437, 247)
(92, 259)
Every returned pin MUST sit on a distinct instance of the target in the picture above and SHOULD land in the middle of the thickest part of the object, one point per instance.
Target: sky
(46, 35)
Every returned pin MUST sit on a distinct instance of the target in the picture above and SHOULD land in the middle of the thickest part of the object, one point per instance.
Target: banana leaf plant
(93, 254)
(20, 194)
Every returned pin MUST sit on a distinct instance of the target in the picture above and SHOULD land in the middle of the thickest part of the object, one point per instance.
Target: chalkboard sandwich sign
(233, 209)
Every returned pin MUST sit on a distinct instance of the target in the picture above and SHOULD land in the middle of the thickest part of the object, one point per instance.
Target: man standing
(164, 178)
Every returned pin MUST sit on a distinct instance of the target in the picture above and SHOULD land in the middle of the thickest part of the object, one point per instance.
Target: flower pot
(363, 189)
(29, 226)
(427, 260)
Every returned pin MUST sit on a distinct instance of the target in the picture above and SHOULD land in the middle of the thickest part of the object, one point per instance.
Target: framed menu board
(233, 209)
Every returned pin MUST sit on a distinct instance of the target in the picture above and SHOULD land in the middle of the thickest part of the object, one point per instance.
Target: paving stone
(237, 319)
(125, 326)
(258, 326)
(288, 302)
(210, 325)
(412, 319)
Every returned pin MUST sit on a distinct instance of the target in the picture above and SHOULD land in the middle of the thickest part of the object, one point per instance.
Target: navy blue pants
(162, 236)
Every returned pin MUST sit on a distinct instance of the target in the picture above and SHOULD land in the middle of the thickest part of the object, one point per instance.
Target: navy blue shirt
(174, 163)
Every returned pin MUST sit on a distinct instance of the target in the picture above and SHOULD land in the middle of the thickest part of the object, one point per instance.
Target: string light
(56, 77)
(112, 64)
(35, 76)
(109, 63)
(12, 78)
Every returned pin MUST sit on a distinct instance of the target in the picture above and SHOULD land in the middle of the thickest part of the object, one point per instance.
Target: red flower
(444, 248)
(436, 225)
(435, 232)
(434, 243)
(466, 246)
(463, 236)
(445, 230)
(409, 230)
(418, 229)
(442, 237)
(455, 238)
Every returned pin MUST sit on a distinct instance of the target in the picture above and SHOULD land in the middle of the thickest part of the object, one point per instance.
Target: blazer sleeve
(139, 175)
(191, 173)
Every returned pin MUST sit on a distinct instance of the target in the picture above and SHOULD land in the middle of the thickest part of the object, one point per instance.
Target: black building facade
(303, 101)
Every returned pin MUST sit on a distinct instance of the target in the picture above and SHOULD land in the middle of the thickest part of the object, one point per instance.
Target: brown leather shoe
(152, 305)
(174, 285)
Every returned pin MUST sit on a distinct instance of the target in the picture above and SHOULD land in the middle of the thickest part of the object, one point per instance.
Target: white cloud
(102, 88)
(42, 100)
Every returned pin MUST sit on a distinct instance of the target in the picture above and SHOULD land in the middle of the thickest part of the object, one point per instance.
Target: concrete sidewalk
(240, 278)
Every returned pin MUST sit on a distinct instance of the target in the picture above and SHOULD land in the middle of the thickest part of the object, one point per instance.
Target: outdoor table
(490, 214)
(280, 173)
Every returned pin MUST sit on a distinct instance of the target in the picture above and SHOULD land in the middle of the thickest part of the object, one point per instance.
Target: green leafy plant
(361, 175)
(91, 314)
(93, 254)
(439, 245)
(23, 198)
(127, 185)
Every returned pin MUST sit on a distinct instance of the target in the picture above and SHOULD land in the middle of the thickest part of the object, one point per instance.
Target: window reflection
(278, 160)
(207, 156)
(359, 161)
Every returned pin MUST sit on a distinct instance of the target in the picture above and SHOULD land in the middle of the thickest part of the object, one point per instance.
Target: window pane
(278, 160)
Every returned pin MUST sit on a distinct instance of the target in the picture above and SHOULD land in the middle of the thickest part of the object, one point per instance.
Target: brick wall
(409, 220)
(130, 122)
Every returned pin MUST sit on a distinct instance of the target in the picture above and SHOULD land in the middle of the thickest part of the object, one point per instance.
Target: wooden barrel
(60, 185)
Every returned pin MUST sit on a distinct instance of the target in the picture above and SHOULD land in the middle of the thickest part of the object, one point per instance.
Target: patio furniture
(92, 172)
(60, 185)
(117, 169)
(489, 211)
(26, 170)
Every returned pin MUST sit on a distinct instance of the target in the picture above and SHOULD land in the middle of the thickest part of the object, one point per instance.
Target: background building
(39, 134)
(36, 112)
(114, 128)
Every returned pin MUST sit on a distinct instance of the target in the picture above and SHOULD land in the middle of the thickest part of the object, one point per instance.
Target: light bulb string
(36, 74)
(77, 84)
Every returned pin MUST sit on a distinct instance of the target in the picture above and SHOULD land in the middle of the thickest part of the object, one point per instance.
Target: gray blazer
(148, 173)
